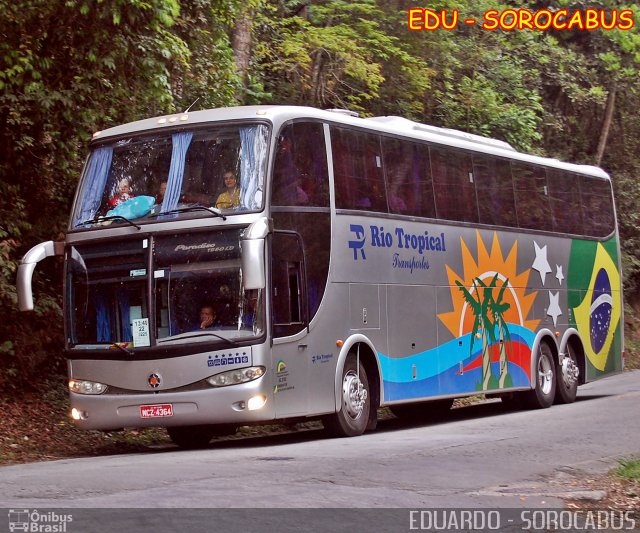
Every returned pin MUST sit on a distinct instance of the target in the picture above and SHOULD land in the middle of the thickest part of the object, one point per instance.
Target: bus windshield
(194, 292)
(221, 168)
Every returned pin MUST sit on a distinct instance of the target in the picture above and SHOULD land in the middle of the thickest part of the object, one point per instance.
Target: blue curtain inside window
(103, 326)
(181, 143)
(125, 310)
(95, 181)
(253, 150)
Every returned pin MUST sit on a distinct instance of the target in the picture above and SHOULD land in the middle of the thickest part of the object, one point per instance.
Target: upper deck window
(357, 162)
(300, 176)
(141, 176)
(453, 183)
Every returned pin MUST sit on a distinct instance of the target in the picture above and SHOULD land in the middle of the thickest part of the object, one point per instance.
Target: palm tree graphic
(489, 319)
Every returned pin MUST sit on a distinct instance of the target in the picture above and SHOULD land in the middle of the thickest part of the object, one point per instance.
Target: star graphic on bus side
(540, 263)
(554, 310)
(559, 274)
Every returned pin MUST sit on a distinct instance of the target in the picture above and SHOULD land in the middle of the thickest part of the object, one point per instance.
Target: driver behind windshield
(208, 318)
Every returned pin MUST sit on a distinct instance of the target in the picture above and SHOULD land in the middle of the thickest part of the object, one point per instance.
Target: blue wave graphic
(449, 382)
(437, 369)
(436, 360)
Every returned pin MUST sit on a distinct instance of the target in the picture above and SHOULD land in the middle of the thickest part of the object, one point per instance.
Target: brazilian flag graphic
(596, 310)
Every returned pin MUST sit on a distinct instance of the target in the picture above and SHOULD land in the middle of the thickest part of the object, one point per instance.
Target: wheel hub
(545, 375)
(354, 395)
(570, 372)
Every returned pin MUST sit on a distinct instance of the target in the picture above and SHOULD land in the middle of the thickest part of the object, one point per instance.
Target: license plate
(155, 411)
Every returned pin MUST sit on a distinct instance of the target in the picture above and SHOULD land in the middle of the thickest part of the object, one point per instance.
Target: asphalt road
(481, 456)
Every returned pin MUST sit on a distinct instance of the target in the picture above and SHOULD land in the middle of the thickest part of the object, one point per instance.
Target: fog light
(257, 402)
(76, 414)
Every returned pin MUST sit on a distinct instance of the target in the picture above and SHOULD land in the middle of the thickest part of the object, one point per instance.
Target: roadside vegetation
(629, 469)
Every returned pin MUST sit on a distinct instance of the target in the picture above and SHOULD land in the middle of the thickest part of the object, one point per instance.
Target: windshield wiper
(211, 210)
(115, 217)
(203, 334)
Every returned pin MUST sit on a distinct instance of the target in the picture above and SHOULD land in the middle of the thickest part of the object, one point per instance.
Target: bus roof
(278, 114)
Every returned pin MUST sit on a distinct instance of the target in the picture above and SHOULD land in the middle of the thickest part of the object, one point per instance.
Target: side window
(564, 197)
(357, 162)
(315, 230)
(288, 296)
(496, 205)
(300, 176)
(532, 201)
(455, 191)
(597, 206)
(408, 177)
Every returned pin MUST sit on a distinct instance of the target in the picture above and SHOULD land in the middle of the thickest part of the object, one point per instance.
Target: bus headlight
(81, 386)
(234, 377)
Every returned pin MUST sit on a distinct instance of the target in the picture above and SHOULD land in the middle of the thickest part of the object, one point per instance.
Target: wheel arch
(544, 335)
(370, 362)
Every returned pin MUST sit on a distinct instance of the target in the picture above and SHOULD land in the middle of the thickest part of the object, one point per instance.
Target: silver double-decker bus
(253, 264)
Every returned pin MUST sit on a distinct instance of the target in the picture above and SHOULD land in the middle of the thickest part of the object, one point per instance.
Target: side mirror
(252, 254)
(28, 265)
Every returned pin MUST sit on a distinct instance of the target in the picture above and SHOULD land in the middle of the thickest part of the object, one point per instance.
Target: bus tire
(353, 417)
(194, 437)
(421, 411)
(543, 394)
(567, 377)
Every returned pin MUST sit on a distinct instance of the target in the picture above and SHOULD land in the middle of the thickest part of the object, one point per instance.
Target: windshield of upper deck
(143, 176)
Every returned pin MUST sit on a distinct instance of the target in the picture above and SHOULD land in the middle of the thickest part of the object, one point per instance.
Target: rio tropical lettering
(421, 242)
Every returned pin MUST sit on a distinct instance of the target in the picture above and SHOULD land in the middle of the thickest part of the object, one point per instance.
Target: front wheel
(544, 392)
(353, 417)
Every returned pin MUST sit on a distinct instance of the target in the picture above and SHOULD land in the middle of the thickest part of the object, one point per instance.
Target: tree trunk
(606, 125)
(486, 360)
(317, 79)
(241, 45)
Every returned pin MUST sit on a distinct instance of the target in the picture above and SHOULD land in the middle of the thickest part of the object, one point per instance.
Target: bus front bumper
(235, 404)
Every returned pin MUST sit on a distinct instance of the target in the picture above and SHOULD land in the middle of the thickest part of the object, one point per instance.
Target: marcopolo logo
(38, 521)
(397, 239)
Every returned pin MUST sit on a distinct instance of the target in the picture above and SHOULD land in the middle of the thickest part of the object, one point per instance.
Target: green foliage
(68, 68)
(334, 56)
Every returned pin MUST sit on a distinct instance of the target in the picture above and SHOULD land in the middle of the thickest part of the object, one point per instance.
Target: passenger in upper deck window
(396, 202)
(161, 192)
(123, 194)
(231, 196)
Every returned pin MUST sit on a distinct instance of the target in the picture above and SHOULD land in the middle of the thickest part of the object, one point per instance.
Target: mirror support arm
(28, 265)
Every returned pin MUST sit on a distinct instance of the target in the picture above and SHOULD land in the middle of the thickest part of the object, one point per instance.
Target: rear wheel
(567, 377)
(544, 392)
(193, 437)
(353, 417)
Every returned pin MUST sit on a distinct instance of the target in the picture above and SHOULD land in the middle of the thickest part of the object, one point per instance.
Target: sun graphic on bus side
(487, 298)
(460, 321)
